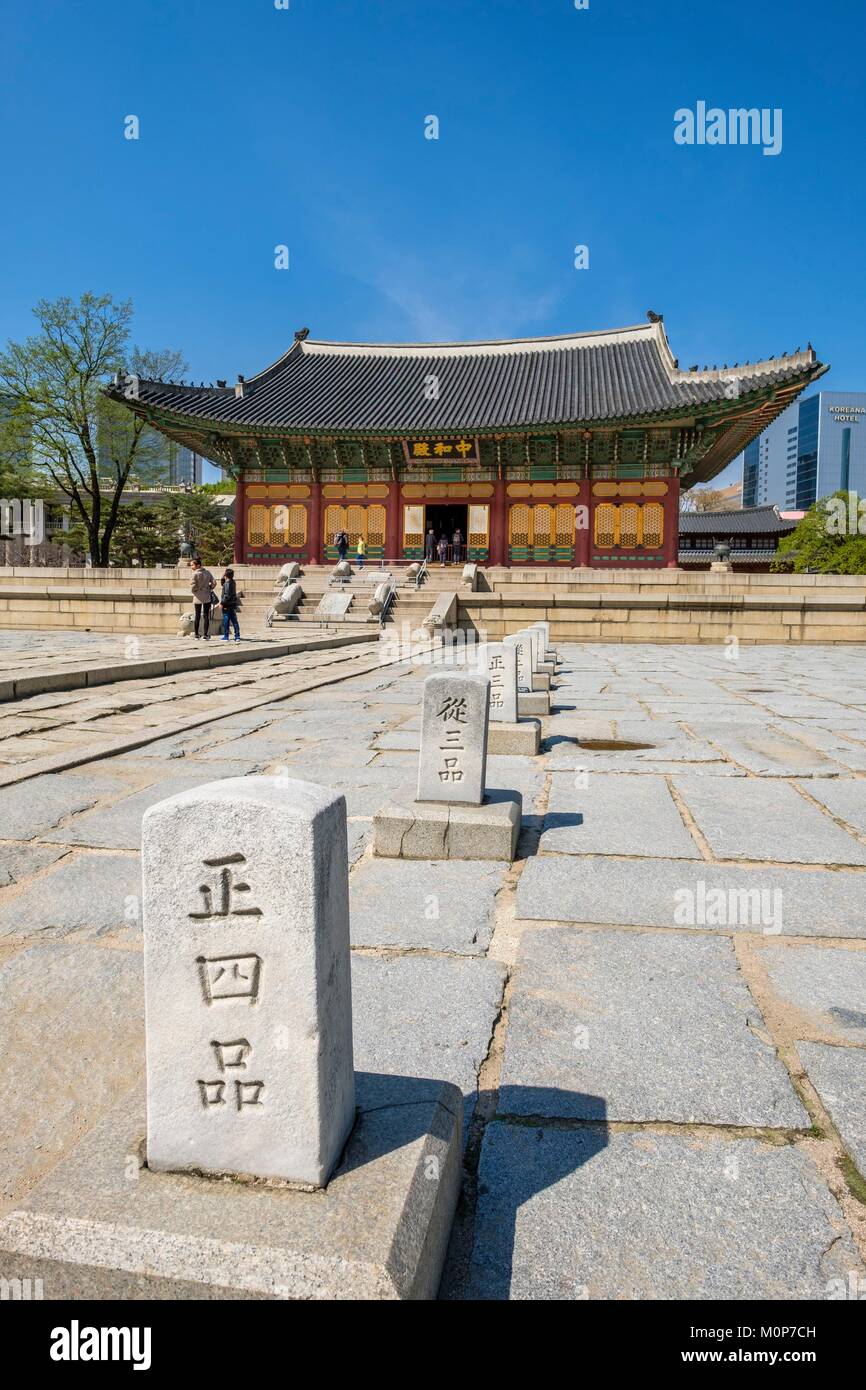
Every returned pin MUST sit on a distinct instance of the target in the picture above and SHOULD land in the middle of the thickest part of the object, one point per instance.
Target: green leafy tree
(224, 488)
(80, 442)
(826, 541)
(151, 533)
(18, 477)
(195, 517)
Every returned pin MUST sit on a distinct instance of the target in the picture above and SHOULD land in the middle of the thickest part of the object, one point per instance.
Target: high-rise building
(161, 461)
(815, 447)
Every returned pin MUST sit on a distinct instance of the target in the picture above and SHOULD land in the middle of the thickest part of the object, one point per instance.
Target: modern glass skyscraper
(163, 461)
(816, 447)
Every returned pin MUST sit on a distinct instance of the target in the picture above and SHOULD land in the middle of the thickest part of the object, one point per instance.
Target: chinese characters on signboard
(458, 449)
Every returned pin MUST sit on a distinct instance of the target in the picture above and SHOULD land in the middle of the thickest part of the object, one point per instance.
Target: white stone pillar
(247, 983)
(453, 760)
(522, 642)
(498, 662)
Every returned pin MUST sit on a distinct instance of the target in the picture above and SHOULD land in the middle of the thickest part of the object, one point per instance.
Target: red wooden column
(393, 533)
(499, 524)
(314, 524)
(671, 543)
(584, 533)
(240, 545)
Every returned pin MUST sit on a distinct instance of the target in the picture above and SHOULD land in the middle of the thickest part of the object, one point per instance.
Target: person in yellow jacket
(361, 552)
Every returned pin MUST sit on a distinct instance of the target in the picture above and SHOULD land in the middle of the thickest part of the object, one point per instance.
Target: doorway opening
(445, 519)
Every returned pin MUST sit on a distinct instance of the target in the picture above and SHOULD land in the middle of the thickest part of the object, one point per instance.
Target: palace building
(559, 451)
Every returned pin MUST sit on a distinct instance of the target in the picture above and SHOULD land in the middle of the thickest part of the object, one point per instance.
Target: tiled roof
(750, 521)
(439, 387)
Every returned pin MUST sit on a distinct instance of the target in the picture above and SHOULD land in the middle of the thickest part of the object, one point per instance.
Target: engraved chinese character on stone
(229, 977)
(219, 900)
(232, 1054)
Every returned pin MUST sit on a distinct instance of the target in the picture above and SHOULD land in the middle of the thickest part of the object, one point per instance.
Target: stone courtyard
(656, 1014)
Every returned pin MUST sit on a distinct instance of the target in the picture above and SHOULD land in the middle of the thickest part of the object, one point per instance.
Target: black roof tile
(533, 382)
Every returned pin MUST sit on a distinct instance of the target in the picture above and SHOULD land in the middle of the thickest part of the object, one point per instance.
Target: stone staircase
(410, 605)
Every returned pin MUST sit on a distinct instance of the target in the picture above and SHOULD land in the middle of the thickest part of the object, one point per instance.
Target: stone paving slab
(845, 799)
(850, 757)
(425, 1016)
(839, 1076)
(570, 1214)
(826, 985)
(119, 826)
(660, 1027)
(92, 893)
(752, 818)
(667, 893)
(615, 815)
(437, 905)
(359, 834)
(33, 808)
(20, 861)
(72, 1027)
(365, 789)
(765, 751)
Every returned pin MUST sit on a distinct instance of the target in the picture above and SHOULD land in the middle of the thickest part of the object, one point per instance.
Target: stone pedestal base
(521, 739)
(540, 680)
(93, 1230)
(536, 703)
(547, 668)
(435, 830)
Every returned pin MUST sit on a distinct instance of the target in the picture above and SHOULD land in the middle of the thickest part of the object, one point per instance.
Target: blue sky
(305, 127)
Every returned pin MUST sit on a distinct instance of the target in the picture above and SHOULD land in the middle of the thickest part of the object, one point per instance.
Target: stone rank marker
(529, 699)
(522, 643)
(498, 662)
(247, 983)
(508, 733)
(453, 758)
(454, 815)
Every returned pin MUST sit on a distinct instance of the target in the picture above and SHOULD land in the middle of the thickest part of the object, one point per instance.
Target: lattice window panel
(335, 520)
(355, 524)
(375, 520)
(629, 523)
(519, 525)
(542, 525)
(653, 524)
(288, 525)
(605, 524)
(564, 525)
(257, 524)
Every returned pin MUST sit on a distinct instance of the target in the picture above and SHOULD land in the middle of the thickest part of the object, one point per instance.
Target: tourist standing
(443, 550)
(457, 543)
(202, 584)
(229, 604)
(430, 546)
(341, 540)
(361, 552)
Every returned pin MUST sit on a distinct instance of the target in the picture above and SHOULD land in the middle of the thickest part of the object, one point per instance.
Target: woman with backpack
(229, 601)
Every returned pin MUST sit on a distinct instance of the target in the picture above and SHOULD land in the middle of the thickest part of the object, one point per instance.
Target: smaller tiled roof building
(752, 535)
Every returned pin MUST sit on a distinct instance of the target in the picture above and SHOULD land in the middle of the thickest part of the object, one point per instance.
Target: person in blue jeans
(229, 604)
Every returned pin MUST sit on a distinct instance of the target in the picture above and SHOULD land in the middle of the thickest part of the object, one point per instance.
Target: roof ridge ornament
(301, 334)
